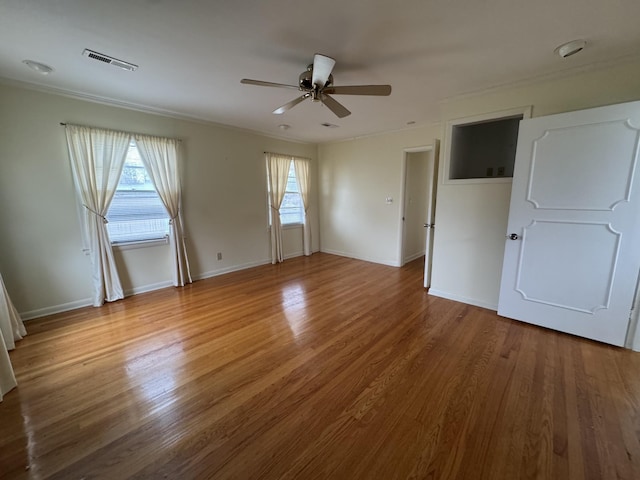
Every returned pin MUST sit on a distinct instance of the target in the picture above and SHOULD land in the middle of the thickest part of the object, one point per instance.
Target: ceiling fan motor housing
(305, 80)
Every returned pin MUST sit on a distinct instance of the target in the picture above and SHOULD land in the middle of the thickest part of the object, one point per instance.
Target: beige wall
(224, 190)
(472, 219)
(41, 256)
(355, 178)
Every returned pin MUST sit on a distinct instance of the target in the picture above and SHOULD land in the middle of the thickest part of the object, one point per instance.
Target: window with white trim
(136, 213)
(291, 209)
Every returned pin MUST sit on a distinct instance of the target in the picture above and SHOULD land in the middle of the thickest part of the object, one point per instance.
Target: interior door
(572, 252)
(430, 223)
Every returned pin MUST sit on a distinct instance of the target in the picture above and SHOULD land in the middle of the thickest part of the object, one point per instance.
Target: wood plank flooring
(318, 368)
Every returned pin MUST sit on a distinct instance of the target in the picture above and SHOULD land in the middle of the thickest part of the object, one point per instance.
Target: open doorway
(418, 206)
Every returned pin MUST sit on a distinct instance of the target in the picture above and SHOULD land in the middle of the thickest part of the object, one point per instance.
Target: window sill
(290, 226)
(141, 244)
(469, 181)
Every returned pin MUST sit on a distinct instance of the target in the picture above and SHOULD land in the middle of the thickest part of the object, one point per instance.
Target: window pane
(291, 208)
(136, 212)
(292, 185)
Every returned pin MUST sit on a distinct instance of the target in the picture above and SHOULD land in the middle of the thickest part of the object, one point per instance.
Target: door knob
(429, 225)
(513, 236)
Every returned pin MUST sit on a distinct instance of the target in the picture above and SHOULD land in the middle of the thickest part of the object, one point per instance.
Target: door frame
(433, 148)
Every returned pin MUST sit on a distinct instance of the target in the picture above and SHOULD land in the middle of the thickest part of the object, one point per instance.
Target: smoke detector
(101, 57)
(38, 67)
(570, 48)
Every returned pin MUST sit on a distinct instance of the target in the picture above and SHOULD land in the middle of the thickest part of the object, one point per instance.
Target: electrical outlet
(501, 171)
(489, 172)
(219, 255)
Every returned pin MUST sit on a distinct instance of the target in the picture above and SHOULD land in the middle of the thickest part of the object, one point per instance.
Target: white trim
(390, 263)
(460, 298)
(148, 288)
(291, 226)
(525, 111)
(112, 102)
(52, 310)
(234, 268)
(87, 302)
(614, 62)
(414, 257)
(155, 242)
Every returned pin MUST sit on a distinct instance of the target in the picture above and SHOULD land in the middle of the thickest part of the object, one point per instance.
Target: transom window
(136, 213)
(291, 210)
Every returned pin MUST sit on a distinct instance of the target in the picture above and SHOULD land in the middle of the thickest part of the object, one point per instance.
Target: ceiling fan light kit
(317, 83)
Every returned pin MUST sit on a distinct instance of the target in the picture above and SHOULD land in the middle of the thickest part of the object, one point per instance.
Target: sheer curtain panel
(301, 166)
(160, 157)
(277, 173)
(11, 330)
(97, 157)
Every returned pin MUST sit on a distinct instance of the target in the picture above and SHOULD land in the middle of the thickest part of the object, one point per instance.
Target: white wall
(224, 199)
(355, 178)
(472, 219)
(41, 255)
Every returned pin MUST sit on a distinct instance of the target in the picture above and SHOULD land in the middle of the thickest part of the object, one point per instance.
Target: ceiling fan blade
(291, 104)
(335, 106)
(322, 67)
(260, 83)
(380, 90)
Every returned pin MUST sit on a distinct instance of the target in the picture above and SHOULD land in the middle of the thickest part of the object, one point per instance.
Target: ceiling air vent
(109, 60)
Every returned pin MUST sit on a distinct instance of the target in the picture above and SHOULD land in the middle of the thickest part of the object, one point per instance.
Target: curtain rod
(62, 124)
(287, 155)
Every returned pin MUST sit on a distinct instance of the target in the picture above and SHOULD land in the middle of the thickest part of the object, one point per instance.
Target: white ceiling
(193, 53)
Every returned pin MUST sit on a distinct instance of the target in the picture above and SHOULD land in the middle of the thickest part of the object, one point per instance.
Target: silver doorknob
(429, 225)
(513, 236)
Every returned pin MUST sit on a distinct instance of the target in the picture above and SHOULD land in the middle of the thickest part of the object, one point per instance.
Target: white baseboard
(147, 288)
(411, 258)
(391, 263)
(87, 302)
(64, 307)
(234, 268)
(460, 298)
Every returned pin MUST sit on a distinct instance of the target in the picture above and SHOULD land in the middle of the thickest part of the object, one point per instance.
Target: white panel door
(572, 252)
(430, 223)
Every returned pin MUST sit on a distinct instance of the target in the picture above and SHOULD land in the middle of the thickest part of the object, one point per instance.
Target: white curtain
(301, 167)
(97, 157)
(11, 330)
(160, 157)
(278, 173)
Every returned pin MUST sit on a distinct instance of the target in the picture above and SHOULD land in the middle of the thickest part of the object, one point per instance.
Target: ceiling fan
(317, 84)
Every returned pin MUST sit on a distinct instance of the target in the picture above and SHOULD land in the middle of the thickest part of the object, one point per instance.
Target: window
(136, 213)
(482, 149)
(291, 211)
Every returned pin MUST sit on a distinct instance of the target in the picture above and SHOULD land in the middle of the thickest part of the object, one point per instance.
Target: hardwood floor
(318, 368)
